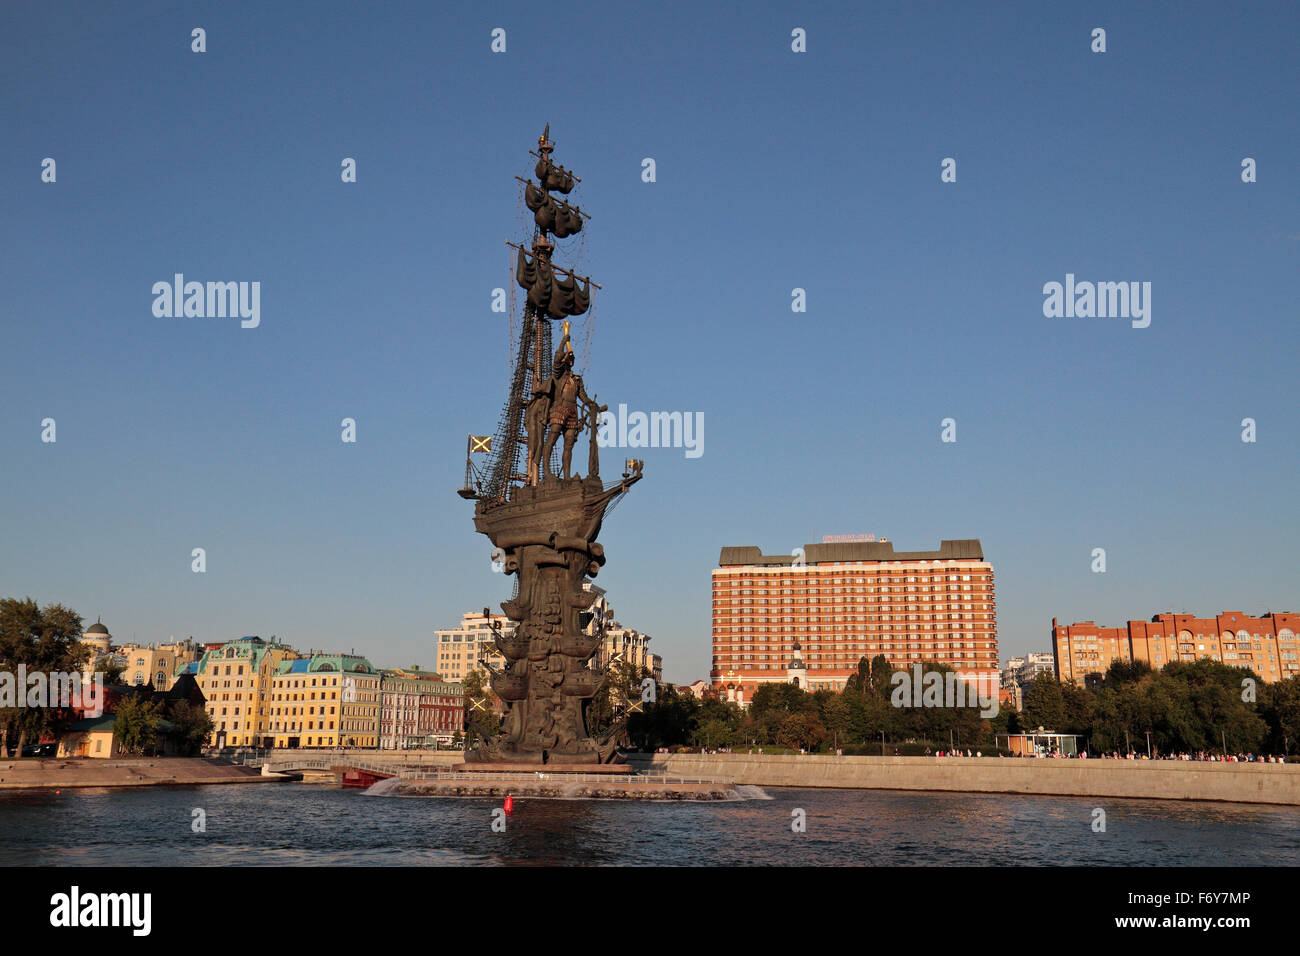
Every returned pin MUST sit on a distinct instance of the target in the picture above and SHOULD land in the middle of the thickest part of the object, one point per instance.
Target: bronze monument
(544, 521)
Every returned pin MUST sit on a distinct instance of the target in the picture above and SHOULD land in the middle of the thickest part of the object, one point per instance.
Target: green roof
(249, 650)
(328, 664)
(93, 724)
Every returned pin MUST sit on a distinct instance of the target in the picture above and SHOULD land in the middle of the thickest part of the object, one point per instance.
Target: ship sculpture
(542, 519)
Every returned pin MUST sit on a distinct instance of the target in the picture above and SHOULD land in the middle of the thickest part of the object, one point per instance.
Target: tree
(1281, 708)
(110, 668)
(836, 716)
(481, 720)
(1214, 691)
(621, 688)
(873, 678)
(1044, 704)
(770, 706)
(800, 731)
(136, 727)
(193, 727)
(672, 718)
(1127, 672)
(859, 682)
(1076, 703)
(714, 733)
(882, 677)
(46, 640)
(784, 698)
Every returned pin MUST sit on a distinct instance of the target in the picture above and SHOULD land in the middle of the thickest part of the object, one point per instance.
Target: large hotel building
(1266, 644)
(835, 603)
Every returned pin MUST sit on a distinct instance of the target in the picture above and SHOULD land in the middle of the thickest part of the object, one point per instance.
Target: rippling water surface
(289, 824)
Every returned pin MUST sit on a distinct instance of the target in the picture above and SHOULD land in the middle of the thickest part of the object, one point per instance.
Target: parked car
(40, 750)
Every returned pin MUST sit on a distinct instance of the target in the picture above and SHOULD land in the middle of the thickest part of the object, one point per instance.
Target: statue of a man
(565, 390)
(594, 411)
(535, 418)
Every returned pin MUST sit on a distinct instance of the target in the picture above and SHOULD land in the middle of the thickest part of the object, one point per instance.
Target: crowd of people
(1056, 754)
(1199, 755)
(1202, 755)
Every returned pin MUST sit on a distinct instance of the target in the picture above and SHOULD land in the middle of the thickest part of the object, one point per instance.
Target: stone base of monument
(546, 781)
(615, 769)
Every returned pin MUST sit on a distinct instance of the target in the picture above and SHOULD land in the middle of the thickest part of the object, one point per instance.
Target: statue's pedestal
(619, 769)
(561, 782)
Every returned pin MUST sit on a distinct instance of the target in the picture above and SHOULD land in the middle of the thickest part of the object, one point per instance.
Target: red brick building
(1266, 644)
(840, 602)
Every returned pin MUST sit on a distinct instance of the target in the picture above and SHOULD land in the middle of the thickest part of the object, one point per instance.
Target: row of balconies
(847, 595)
(884, 601)
(828, 579)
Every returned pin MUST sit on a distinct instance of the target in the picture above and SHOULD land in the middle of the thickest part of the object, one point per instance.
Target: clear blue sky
(775, 170)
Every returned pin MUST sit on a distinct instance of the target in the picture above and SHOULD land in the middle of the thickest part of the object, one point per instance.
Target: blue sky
(775, 170)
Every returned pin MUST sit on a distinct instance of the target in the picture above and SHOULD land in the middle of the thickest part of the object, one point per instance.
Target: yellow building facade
(156, 665)
(325, 701)
(236, 679)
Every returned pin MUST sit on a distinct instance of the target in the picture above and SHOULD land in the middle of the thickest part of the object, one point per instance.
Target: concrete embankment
(64, 773)
(556, 787)
(309, 759)
(321, 766)
(441, 774)
(1137, 779)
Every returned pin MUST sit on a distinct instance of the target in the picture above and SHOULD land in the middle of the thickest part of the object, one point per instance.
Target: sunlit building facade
(326, 700)
(417, 710)
(159, 665)
(1266, 644)
(235, 677)
(840, 602)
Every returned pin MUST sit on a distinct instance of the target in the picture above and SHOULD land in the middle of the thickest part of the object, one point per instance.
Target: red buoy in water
(510, 803)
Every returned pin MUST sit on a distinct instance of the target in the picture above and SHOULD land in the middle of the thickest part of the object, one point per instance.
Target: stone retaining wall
(279, 760)
(1144, 779)
(62, 773)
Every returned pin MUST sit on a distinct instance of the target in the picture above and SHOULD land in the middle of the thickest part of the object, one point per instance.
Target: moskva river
(290, 824)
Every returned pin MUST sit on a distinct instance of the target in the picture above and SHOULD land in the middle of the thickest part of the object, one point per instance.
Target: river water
(292, 824)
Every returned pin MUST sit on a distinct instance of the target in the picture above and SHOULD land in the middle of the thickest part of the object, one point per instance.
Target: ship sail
(553, 178)
(552, 215)
(547, 293)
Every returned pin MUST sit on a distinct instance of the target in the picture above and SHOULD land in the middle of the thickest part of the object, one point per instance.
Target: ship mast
(554, 293)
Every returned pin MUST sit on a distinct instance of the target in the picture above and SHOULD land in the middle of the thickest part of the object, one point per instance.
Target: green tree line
(1191, 708)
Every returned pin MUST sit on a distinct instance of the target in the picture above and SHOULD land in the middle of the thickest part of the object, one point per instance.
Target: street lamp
(1148, 745)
